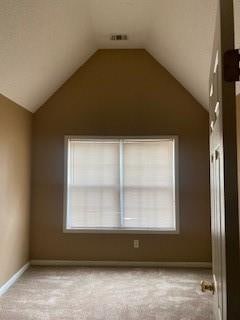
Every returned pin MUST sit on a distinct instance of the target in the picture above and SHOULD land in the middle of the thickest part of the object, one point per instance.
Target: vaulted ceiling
(43, 42)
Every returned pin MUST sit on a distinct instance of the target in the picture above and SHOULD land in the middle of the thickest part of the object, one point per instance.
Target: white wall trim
(120, 263)
(13, 279)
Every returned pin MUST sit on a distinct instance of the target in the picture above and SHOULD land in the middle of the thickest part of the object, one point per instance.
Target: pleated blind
(121, 184)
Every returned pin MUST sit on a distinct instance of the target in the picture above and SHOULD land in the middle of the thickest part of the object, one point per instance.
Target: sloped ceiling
(44, 41)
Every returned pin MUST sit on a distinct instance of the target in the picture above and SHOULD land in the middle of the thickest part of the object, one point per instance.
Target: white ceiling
(44, 41)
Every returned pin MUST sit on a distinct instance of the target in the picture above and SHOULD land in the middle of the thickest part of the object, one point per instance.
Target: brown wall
(121, 92)
(15, 157)
(238, 145)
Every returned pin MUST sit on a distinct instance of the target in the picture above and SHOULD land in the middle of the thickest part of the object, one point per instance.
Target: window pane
(121, 183)
(93, 184)
(149, 187)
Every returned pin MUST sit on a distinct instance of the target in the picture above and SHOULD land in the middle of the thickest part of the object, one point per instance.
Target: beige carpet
(74, 293)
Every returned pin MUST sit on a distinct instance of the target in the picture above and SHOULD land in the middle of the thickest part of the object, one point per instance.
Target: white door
(223, 172)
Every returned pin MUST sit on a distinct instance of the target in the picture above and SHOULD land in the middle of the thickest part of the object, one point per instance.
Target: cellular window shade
(149, 191)
(121, 184)
(93, 184)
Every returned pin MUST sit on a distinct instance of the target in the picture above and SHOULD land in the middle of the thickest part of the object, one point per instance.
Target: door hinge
(231, 67)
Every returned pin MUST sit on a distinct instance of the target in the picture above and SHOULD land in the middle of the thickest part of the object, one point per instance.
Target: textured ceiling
(44, 41)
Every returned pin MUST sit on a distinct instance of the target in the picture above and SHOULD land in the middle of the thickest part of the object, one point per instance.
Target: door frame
(229, 135)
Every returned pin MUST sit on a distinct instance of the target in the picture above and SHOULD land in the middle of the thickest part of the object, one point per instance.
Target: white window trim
(122, 230)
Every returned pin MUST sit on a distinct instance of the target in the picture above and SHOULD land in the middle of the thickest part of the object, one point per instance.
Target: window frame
(66, 229)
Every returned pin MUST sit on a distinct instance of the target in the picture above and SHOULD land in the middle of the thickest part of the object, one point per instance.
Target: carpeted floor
(75, 293)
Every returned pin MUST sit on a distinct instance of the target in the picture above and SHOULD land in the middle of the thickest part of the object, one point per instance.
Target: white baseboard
(120, 263)
(13, 279)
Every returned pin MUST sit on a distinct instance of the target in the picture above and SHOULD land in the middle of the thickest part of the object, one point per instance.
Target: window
(121, 184)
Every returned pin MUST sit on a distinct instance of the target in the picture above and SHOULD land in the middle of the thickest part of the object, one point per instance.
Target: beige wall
(121, 92)
(15, 157)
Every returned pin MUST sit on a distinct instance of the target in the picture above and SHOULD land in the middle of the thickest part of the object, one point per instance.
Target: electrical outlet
(135, 244)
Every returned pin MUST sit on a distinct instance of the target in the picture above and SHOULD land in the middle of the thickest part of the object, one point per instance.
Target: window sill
(121, 231)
